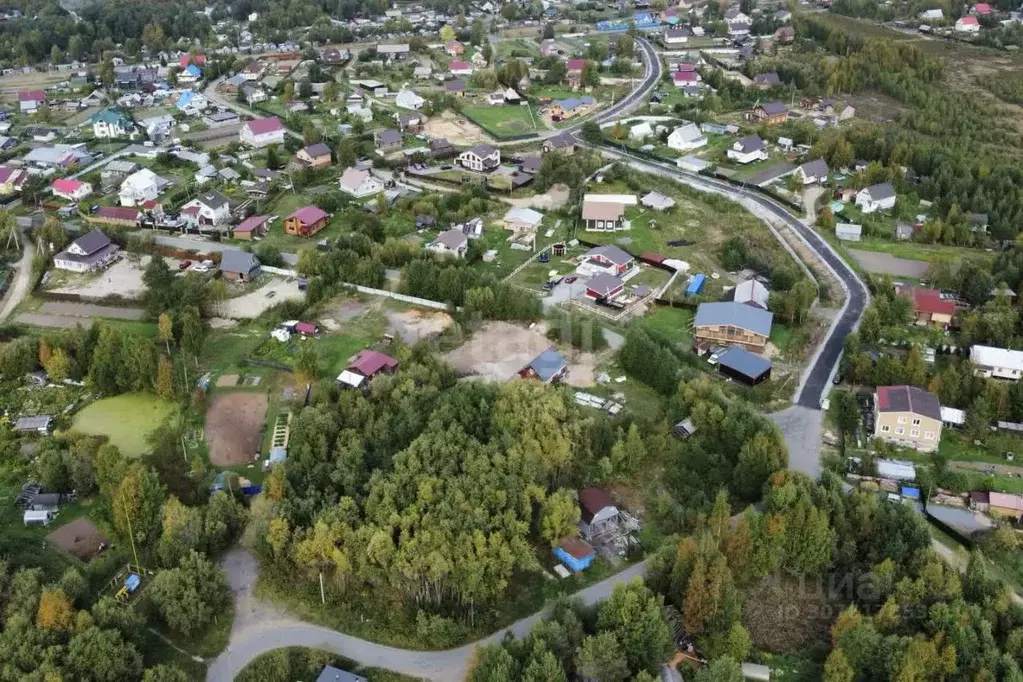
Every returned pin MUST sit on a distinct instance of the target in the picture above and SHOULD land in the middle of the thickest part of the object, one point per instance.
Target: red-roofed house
(253, 226)
(366, 365)
(30, 100)
(981, 9)
(929, 307)
(115, 215)
(684, 78)
(263, 132)
(70, 189)
(454, 48)
(967, 25)
(306, 221)
(1006, 504)
(575, 66)
(12, 179)
(306, 329)
(186, 59)
(460, 68)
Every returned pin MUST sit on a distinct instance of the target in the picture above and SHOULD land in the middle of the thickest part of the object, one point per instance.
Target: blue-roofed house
(190, 74)
(111, 123)
(567, 108)
(732, 324)
(549, 367)
(191, 102)
(743, 366)
(575, 553)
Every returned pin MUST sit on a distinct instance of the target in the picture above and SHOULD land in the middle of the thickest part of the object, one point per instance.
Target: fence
(424, 302)
(284, 272)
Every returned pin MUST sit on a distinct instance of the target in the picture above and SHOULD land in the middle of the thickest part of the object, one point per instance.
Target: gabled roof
(908, 399)
(882, 190)
(262, 126)
(452, 239)
(817, 168)
(213, 200)
(604, 284)
(561, 141)
(751, 291)
(927, 300)
(577, 548)
(92, 242)
(592, 501)
(318, 149)
(67, 185)
(523, 215)
(602, 210)
(459, 66)
(547, 364)
(744, 362)
(735, 314)
(31, 96)
(389, 136)
(235, 260)
(251, 223)
(685, 77)
(750, 143)
(774, 108)
(370, 362)
(483, 150)
(769, 78)
(308, 215)
(1003, 358)
(353, 178)
(575, 64)
(610, 252)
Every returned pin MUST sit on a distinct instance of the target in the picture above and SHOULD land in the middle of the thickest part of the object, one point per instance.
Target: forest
(853, 581)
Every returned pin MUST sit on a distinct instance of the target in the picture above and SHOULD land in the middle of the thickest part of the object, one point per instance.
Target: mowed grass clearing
(125, 419)
(504, 121)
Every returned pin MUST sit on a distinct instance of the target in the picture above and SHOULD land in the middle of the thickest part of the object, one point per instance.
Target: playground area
(80, 538)
(234, 426)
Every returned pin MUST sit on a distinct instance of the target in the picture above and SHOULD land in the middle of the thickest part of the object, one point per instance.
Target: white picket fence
(424, 302)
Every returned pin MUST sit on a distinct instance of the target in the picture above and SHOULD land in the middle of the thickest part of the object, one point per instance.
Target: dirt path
(1006, 469)
(19, 289)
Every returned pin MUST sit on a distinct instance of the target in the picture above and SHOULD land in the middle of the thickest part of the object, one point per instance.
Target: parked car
(271, 294)
(184, 265)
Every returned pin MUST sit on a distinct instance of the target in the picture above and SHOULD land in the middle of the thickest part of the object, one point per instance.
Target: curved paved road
(260, 627)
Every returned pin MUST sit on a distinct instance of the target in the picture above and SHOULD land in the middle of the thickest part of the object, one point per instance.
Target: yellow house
(907, 416)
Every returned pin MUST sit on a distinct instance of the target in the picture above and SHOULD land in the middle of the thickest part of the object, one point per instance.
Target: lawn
(506, 121)
(125, 419)
(670, 323)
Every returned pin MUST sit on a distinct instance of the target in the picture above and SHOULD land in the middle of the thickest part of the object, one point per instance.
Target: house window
(902, 420)
(928, 435)
(916, 422)
(915, 433)
(885, 428)
(899, 431)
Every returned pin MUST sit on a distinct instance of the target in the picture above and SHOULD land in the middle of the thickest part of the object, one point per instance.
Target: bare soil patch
(582, 370)
(458, 130)
(498, 350)
(880, 263)
(414, 325)
(555, 197)
(80, 538)
(234, 425)
(227, 380)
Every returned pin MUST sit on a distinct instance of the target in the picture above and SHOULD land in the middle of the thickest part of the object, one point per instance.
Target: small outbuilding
(743, 366)
(549, 367)
(575, 553)
(598, 513)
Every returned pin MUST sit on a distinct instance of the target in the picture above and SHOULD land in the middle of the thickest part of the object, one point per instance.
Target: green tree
(190, 596)
(58, 366)
(635, 616)
(95, 655)
(164, 378)
(153, 37)
(273, 160)
(724, 669)
(837, 668)
(600, 658)
(560, 517)
(737, 642)
(138, 503)
(165, 673)
(165, 327)
(846, 414)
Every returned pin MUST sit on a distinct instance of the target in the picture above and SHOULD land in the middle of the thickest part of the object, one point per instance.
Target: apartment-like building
(907, 416)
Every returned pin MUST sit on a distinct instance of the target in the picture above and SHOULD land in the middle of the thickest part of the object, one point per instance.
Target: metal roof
(744, 362)
(547, 364)
(734, 314)
(908, 399)
(234, 260)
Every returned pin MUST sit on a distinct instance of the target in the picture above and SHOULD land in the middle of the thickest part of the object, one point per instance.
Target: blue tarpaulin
(911, 493)
(133, 582)
(696, 283)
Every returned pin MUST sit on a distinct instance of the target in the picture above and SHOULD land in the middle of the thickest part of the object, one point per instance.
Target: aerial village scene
(511, 341)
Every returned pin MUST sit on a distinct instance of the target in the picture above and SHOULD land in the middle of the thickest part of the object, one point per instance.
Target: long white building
(1000, 363)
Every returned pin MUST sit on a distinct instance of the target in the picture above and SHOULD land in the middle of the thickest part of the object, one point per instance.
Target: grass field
(505, 121)
(125, 419)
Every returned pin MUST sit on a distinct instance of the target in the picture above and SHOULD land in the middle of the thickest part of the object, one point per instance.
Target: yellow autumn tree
(56, 611)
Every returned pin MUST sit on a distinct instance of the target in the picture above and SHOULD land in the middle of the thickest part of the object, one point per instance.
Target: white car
(200, 268)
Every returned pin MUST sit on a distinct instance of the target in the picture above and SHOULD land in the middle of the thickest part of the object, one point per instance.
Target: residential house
(522, 220)
(441, 148)
(110, 123)
(387, 140)
(848, 232)
(564, 109)
(333, 56)
(604, 287)
(359, 183)
(394, 52)
(733, 324)
(766, 80)
(769, 113)
(460, 68)
(263, 132)
(40, 424)
(1005, 505)
(597, 513)
(192, 103)
(548, 48)
(366, 365)
(607, 259)
(1000, 363)
(784, 34)
(907, 416)
(422, 72)
(451, 241)
(482, 158)
(812, 172)
(478, 60)
(253, 71)
(253, 94)
(751, 292)
(455, 87)
(640, 131)
(12, 179)
(239, 266)
(745, 367)
(930, 307)
(454, 48)
(603, 216)
(29, 101)
(879, 197)
(306, 221)
(220, 119)
(686, 138)
(141, 186)
(967, 25)
(562, 142)
(576, 554)
(70, 189)
(748, 149)
(115, 215)
(53, 158)
(685, 79)
(575, 68)
(406, 99)
(189, 75)
(549, 367)
(252, 227)
(981, 9)
(314, 156)
(410, 123)
(676, 36)
(87, 253)
(186, 60)
(209, 210)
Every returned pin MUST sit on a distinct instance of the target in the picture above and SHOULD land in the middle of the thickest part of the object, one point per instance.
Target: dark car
(184, 265)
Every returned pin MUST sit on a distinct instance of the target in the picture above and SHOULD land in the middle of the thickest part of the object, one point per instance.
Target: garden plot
(80, 538)
(234, 427)
(499, 350)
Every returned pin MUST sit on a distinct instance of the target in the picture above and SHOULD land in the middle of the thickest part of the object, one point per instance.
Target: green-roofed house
(111, 123)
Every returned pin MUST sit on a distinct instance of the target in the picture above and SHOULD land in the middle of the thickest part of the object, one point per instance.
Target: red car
(184, 265)
(570, 279)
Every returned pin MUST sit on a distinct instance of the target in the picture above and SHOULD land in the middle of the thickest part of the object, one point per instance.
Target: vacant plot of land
(499, 350)
(413, 325)
(127, 420)
(504, 121)
(555, 197)
(887, 264)
(785, 614)
(90, 310)
(123, 278)
(234, 423)
(256, 302)
(80, 538)
(226, 380)
(458, 131)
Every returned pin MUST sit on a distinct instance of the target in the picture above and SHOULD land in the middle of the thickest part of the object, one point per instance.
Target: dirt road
(19, 289)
